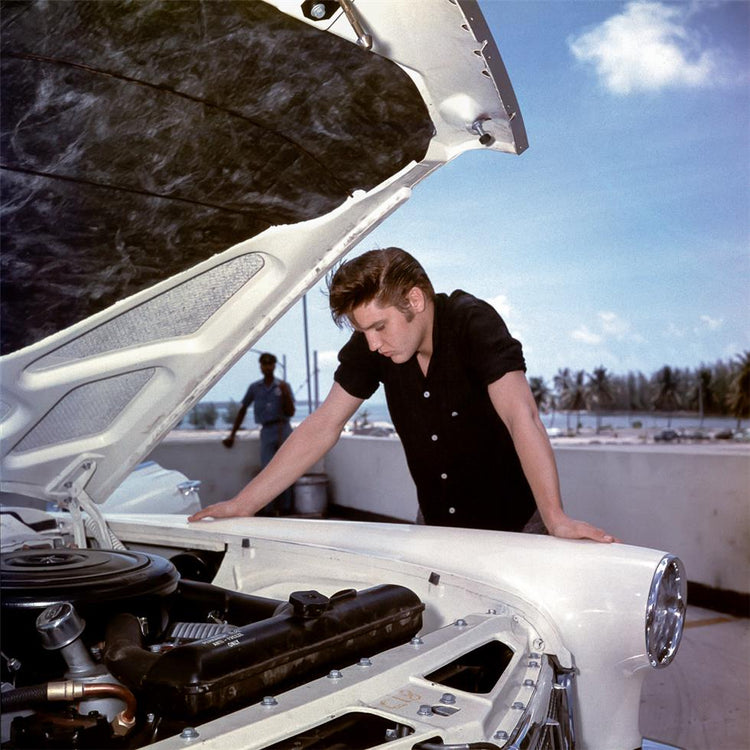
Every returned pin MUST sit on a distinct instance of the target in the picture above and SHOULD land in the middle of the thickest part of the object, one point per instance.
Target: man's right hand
(226, 509)
(228, 442)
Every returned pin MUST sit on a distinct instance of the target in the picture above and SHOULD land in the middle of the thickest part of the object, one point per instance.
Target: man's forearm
(238, 420)
(307, 444)
(539, 466)
(515, 405)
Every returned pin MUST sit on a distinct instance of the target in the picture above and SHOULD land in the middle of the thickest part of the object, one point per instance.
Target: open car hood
(176, 175)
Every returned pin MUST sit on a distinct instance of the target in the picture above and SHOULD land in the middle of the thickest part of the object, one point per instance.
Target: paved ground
(702, 700)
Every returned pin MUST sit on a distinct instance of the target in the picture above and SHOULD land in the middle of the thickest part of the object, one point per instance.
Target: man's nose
(373, 340)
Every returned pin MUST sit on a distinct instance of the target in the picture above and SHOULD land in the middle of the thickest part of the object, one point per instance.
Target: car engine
(119, 648)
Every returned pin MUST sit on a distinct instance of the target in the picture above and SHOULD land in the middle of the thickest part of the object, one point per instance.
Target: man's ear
(417, 301)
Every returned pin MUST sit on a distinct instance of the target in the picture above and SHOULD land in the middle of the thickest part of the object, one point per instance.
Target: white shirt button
(451, 510)
(443, 476)
(454, 413)
(426, 394)
(434, 438)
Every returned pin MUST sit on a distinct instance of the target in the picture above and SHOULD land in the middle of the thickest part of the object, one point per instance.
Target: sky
(621, 237)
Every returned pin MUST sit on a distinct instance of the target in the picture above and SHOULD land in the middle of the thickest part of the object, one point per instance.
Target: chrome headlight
(665, 613)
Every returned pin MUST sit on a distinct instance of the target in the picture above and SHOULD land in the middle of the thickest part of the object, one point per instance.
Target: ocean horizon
(377, 411)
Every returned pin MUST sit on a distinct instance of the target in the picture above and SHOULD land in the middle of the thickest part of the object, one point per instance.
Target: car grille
(547, 723)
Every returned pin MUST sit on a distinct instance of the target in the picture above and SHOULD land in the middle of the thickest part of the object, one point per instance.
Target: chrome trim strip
(655, 745)
(548, 720)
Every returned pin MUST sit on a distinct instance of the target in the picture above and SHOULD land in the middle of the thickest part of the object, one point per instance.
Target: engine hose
(124, 653)
(113, 690)
(21, 697)
(72, 691)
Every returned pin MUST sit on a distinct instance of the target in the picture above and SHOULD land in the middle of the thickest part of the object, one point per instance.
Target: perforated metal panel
(178, 312)
(86, 410)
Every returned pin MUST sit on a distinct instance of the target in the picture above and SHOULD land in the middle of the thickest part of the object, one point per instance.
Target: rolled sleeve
(491, 350)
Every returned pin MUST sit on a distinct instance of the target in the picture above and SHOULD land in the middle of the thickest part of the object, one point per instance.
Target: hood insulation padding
(140, 138)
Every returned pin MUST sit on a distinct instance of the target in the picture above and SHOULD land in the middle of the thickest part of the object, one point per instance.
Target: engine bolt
(14, 665)
(334, 674)
(425, 710)
(534, 656)
(318, 11)
(189, 733)
(533, 663)
(448, 698)
(501, 735)
(491, 611)
(529, 683)
(518, 705)
(269, 700)
(365, 662)
(460, 623)
(416, 641)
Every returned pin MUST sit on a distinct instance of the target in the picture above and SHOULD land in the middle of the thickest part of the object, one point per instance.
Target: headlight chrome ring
(665, 612)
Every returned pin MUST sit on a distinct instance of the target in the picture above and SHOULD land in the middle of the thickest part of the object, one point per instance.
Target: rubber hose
(20, 697)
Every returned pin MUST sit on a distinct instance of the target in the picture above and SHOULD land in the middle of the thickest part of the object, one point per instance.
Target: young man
(457, 394)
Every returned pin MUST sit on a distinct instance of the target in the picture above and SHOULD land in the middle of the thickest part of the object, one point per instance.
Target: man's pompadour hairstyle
(385, 276)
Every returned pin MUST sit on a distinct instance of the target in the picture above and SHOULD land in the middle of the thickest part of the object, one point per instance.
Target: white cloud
(586, 336)
(708, 323)
(613, 325)
(647, 47)
(673, 331)
(512, 319)
(608, 326)
(705, 324)
(501, 303)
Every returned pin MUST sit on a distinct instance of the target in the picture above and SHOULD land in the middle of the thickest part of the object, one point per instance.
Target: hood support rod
(363, 38)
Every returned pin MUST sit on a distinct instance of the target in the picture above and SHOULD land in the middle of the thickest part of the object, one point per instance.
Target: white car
(176, 176)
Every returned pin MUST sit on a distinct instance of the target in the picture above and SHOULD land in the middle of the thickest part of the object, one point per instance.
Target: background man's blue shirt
(266, 402)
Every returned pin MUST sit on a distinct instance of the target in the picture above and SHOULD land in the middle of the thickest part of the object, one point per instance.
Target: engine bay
(119, 648)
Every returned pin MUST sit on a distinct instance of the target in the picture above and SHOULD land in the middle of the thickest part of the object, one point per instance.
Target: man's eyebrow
(362, 329)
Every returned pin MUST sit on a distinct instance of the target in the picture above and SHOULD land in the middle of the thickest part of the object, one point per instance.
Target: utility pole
(307, 355)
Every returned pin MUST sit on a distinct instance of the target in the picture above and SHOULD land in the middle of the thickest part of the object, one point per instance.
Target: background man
(456, 391)
(274, 405)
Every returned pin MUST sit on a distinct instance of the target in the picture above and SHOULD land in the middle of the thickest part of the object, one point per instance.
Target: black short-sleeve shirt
(458, 450)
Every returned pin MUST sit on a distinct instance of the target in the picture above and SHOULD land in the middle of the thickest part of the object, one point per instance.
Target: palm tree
(577, 396)
(562, 388)
(599, 393)
(738, 398)
(702, 393)
(203, 415)
(666, 397)
(540, 392)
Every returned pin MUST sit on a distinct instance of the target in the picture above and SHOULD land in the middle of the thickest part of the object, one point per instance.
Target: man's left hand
(569, 528)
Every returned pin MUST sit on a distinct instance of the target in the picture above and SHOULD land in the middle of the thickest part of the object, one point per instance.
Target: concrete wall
(693, 500)
(370, 474)
(222, 471)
